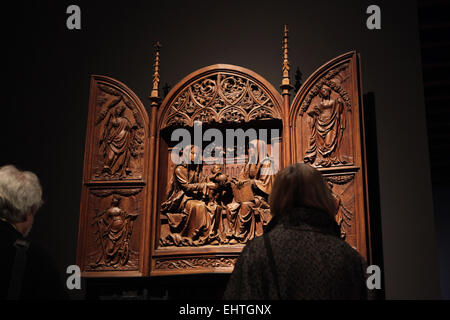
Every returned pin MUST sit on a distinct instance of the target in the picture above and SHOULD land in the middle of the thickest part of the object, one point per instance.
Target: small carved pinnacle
(155, 90)
(285, 82)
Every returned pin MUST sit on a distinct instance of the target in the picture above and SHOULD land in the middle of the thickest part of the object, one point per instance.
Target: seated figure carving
(246, 216)
(189, 217)
(215, 209)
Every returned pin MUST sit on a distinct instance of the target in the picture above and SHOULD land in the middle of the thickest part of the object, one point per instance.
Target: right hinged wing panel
(327, 132)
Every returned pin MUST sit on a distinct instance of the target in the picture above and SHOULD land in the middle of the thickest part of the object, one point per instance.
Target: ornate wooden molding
(220, 94)
(340, 179)
(194, 263)
(221, 98)
(108, 192)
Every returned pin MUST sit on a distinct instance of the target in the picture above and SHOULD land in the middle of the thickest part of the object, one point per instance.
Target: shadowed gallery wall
(49, 67)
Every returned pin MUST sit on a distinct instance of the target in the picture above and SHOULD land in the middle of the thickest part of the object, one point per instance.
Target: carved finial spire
(285, 81)
(286, 88)
(155, 90)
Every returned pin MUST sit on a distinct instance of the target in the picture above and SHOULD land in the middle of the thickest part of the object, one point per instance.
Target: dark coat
(41, 279)
(310, 261)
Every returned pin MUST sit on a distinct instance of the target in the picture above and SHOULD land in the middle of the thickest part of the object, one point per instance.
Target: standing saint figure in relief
(327, 128)
(114, 228)
(116, 143)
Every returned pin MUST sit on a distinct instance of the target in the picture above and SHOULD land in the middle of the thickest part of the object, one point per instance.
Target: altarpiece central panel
(214, 205)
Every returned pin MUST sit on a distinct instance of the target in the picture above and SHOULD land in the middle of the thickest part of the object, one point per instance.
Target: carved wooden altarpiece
(144, 215)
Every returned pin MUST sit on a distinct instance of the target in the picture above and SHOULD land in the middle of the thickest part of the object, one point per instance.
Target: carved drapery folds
(113, 208)
(114, 245)
(216, 208)
(221, 98)
(327, 106)
(121, 134)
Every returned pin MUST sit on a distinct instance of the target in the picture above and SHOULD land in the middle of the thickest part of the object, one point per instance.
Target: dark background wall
(48, 69)
(434, 30)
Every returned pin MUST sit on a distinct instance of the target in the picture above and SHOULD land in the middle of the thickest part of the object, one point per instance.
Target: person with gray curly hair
(26, 270)
(20, 198)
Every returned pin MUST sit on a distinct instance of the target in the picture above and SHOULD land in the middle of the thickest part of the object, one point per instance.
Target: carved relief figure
(219, 177)
(247, 215)
(117, 143)
(217, 199)
(343, 214)
(327, 127)
(114, 229)
(190, 219)
(201, 209)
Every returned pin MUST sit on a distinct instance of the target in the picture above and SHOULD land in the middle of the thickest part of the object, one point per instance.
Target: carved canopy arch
(220, 93)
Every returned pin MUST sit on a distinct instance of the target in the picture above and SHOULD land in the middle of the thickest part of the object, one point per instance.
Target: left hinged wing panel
(113, 219)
